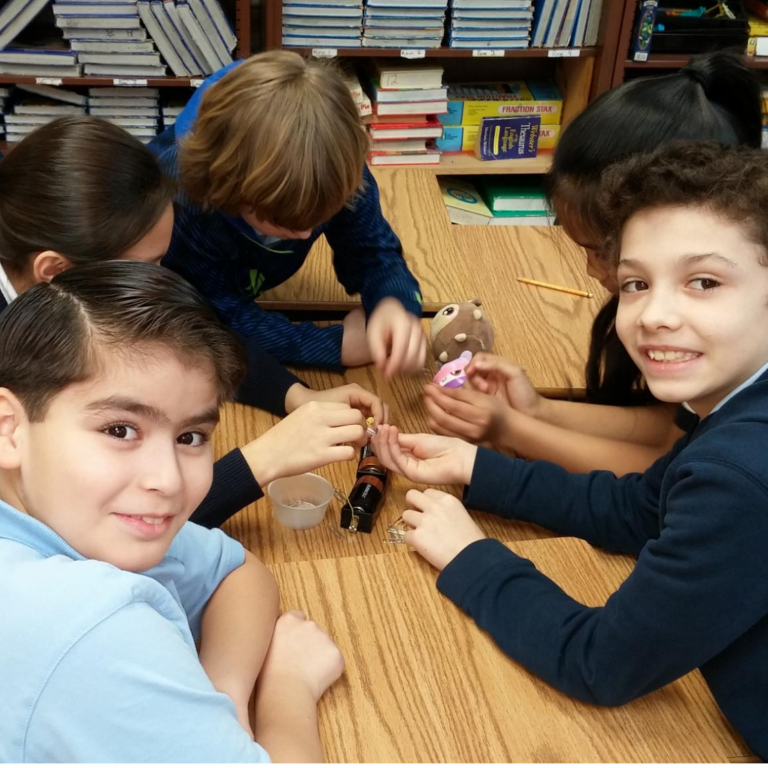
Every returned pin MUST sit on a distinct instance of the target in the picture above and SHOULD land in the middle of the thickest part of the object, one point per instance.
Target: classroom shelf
(465, 53)
(462, 164)
(110, 81)
(675, 60)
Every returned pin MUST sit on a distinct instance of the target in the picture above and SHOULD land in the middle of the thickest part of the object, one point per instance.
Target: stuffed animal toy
(460, 327)
(451, 375)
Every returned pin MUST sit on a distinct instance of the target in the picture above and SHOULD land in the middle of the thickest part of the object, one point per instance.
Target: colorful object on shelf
(508, 138)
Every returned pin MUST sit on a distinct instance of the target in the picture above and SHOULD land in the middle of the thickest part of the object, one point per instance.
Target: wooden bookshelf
(462, 164)
(460, 53)
(676, 60)
(107, 81)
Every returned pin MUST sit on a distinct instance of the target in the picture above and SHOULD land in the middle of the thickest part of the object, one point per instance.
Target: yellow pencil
(561, 288)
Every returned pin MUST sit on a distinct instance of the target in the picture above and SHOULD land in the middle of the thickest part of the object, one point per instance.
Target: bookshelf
(581, 74)
(624, 65)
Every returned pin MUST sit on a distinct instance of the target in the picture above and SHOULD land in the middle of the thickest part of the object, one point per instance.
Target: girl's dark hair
(715, 98)
(82, 187)
(55, 333)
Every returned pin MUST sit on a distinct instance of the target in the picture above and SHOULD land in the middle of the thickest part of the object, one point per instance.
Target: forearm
(572, 450)
(652, 426)
(237, 628)
(286, 722)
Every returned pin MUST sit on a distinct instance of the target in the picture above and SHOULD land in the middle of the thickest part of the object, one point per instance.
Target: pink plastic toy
(452, 375)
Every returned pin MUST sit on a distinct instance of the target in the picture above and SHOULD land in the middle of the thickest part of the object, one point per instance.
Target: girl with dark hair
(622, 427)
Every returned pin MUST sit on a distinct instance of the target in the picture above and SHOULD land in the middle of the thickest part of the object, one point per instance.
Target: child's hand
(396, 340)
(351, 394)
(494, 375)
(441, 526)
(314, 435)
(301, 653)
(467, 414)
(425, 458)
(354, 343)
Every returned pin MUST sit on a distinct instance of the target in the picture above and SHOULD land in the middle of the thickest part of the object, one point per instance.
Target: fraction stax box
(462, 138)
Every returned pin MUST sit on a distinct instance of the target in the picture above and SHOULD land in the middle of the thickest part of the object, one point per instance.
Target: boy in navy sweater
(270, 154)
(691, 246)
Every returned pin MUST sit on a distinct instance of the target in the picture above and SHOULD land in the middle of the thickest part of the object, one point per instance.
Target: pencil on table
(552, 287)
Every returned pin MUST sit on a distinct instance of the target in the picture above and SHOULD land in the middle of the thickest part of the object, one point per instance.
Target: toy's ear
(476, 302)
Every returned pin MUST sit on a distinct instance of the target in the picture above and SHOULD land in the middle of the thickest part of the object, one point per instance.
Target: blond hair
(280, 135)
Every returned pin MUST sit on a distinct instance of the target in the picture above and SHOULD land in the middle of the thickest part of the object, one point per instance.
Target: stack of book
(404, 23)
(136, 110)
(490, 24)
(468, 104)
(37, 105)
(39, 62)
(563, 23)
(170, 110)
(406, 103)
(322, 23)
(496, 201)
(15, 16)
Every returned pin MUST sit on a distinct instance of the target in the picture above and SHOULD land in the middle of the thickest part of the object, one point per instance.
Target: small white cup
(300, 502)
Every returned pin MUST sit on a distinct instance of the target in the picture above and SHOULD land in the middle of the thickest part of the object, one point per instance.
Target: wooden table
(424, 684)
(452, 263)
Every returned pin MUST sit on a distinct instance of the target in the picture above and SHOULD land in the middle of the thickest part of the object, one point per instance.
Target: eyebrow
(690, 260)
(211, 416)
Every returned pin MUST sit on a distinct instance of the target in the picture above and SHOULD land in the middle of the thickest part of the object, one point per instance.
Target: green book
(523, 218)
(522, 193)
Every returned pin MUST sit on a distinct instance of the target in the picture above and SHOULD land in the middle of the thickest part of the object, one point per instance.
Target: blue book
(506, 138)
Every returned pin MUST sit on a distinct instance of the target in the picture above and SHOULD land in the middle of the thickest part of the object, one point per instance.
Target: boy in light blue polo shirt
(111, 378)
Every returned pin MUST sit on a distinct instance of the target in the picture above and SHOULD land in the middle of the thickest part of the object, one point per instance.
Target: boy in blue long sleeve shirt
(270, 154)
(111, 378)
(691, 244)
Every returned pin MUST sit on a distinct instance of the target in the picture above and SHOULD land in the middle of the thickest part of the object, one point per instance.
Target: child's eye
(704, 284)
(633, 286)
(121, 431)
(193, 439)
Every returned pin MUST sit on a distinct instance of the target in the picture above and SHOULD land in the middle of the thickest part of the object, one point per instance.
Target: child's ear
(47, 264)
(12, 418)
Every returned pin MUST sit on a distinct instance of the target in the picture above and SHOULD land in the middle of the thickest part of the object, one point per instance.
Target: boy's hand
(493, 375)
(354, 342)
(467, 414)
(441, 526)
(351, 394)
(425, 458)
(396, 340)
(314, 435)
(301, 654)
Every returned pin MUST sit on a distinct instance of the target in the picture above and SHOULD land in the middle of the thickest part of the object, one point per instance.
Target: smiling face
(693, 308)
(120, 461)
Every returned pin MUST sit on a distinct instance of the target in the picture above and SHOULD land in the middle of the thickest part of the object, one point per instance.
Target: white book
(489, 24)
(209, 28)
(402, 145)
(156, 21)
(200, 39)
(580, 25)
(98, 22)
(177, 32)
(487, 34)
(118, 35)
(113, 46)
(413, 108)
(503, 43)
(36, 108)
(19, 120)
(431, 14)
(421, 94)
(411, 4)
(541, 21)
(148, 113)
(501, 4)
(300, 22)
(133, 122)
(95, 9)
(291, 31)
(117, 92)
(502, 16)
(32, 56)
(399, 76)
(430, 157)
(593, 23)
(401, 42)
(406, 23)
(40, 70)
(15, 17)
(119, 70)
(145, 134)
(403, 33)
(310, 10)
(558, 14)
(296, 41)
(566, 31)
(107, 101)
(226, 33)
(130, 59)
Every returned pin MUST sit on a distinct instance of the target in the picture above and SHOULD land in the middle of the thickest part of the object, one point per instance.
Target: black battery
(362, 509)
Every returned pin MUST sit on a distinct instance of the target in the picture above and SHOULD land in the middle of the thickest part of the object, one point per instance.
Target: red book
(424, 128)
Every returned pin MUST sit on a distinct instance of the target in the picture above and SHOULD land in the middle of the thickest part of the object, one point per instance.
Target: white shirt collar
(6, 288)
(751, 380)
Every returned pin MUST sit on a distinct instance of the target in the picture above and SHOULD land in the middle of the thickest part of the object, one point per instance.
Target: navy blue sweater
(697, 521)
(224, 258)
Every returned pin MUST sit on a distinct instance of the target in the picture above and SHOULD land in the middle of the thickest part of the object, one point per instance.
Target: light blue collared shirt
(99, 664)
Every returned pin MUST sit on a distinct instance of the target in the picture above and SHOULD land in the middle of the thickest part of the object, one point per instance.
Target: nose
(659, 310)
(161, 471)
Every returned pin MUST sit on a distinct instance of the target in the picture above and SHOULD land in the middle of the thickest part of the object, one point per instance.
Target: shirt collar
(25, 529)
(751, 380)
(6, 288)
